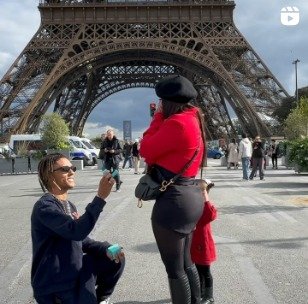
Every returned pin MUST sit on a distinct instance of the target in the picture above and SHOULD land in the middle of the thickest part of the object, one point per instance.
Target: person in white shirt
(245, 152)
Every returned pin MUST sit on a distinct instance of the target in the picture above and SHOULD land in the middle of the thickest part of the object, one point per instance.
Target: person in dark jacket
(274, 153)
(127, 153)
(258, 155)
(67, 266)
(175, 139)
(112, 149)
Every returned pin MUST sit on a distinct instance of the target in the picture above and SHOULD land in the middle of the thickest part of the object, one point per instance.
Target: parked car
(214, 153)
(33, 142)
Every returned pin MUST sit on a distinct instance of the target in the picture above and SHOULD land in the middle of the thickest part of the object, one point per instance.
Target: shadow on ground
(257, 209)
(148, 248)
(292, 243)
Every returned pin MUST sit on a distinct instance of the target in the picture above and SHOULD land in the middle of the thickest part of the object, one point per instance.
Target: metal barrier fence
(18, 165)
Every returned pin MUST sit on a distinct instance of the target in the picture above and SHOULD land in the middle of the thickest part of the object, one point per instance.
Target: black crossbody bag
(148, 189)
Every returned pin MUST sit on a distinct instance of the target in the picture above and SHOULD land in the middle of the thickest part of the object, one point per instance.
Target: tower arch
(82, 46)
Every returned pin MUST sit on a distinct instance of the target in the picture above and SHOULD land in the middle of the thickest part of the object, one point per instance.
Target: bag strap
(165, 183)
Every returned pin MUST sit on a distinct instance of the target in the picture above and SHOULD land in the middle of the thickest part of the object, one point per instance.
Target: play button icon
(289, 15)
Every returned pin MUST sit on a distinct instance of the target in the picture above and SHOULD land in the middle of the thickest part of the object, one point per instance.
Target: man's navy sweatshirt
(59, 242)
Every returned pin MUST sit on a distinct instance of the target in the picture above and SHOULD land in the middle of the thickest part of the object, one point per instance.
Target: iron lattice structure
(85, 51)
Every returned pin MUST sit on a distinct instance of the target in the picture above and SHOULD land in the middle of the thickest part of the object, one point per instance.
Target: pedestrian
(112, 149)
(136, 155)
(245, 152)
(67, 266)
(258, 155)
(233, 154)
(174, 142)
(274, 153)
(203, 250)
(127, 153)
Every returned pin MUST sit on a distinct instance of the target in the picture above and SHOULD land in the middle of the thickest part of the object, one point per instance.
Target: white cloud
(93, 130)
(5, 60)
(18, 23)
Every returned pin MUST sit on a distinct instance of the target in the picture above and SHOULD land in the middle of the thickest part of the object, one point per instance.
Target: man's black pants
(97, 280)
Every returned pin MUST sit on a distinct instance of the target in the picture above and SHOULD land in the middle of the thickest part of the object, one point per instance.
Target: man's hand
(105, 185)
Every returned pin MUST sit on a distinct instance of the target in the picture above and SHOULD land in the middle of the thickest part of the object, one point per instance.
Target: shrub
(54, 132)
(298, 152)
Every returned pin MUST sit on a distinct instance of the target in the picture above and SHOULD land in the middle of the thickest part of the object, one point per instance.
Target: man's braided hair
(45, 167)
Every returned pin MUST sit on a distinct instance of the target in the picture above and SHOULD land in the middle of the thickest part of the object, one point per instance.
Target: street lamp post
(295, 62)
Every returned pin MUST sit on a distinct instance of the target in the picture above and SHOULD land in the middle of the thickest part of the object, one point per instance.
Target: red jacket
(171, 142)
(203, 251)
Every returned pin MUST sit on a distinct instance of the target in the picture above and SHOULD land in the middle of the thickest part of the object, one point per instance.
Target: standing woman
(233, 154)
(174, 138)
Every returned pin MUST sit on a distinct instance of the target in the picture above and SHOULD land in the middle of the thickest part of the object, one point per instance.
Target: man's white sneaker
(107, 301)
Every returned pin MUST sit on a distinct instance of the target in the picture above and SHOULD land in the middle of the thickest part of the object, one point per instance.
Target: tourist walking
(175, 140)
(112, 149)
(136, 156)
(274, 152)
(258, 155)
(127, 153)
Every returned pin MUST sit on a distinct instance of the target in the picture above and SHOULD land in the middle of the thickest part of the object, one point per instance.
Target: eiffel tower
(86, 50)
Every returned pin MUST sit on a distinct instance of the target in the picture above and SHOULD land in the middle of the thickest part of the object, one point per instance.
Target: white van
(90, 146)
(33, 142)
(6, 151)
(78, 144)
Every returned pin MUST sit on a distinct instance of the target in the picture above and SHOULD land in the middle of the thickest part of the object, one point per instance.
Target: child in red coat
(203, 251)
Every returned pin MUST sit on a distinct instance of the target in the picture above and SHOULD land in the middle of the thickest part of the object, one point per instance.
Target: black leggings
(174, 248)
(205, 275)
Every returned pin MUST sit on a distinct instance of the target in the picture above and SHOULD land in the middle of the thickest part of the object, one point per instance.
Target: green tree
(296, 124)
(54, 132)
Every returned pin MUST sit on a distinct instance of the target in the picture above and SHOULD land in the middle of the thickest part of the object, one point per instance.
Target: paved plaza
(261, 236)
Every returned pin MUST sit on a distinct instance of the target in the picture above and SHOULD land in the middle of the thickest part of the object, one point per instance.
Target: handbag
(147, 189)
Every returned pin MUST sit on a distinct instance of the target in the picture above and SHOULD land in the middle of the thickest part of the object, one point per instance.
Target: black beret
(176, 88)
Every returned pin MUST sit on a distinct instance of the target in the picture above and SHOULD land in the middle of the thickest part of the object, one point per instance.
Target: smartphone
(114, 173)
(105, 172)
(114, 249)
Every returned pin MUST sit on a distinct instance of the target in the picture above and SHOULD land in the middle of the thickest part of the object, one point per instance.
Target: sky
(259, 21)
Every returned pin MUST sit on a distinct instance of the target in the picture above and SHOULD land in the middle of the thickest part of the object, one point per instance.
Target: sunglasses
(66, 169)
